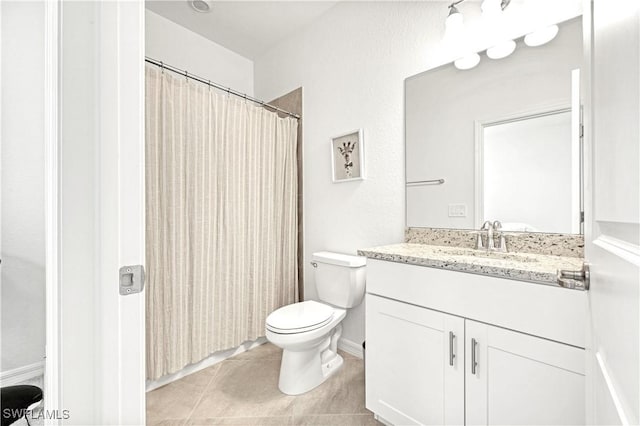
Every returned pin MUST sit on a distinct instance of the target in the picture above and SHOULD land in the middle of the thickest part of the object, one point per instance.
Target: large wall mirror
(498, 142)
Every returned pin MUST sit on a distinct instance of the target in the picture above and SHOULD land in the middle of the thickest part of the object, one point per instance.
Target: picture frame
(347, 157)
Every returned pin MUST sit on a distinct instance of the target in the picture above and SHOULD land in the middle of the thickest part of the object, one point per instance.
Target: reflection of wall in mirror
(527, 173)
(444, 104)
(22, 294)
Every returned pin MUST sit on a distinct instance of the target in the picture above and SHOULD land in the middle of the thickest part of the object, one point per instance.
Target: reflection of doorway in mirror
(527, 173)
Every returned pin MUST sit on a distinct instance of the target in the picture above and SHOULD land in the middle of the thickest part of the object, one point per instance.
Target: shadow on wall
(23, 312)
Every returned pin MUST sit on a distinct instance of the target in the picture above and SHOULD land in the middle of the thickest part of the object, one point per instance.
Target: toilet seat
(299, 317)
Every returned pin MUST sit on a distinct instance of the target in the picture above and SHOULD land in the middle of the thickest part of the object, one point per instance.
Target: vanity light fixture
(202, 6)
(492, 12)
(541, 36)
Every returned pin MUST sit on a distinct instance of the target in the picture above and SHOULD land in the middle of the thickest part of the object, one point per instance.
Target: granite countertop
(537, 268)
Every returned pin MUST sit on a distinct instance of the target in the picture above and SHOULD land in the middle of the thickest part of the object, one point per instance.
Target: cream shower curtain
(221, 220)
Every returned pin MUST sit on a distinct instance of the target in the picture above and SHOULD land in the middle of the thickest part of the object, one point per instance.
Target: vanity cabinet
(429, 365)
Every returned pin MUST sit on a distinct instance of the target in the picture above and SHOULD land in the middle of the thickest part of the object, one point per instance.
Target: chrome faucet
(490, 229)
(487, 226)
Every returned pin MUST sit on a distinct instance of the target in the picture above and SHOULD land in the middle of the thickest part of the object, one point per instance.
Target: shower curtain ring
(186, 75)
(162, 67)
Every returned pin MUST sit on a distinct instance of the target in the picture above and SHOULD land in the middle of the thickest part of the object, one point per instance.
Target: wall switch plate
(457, 210)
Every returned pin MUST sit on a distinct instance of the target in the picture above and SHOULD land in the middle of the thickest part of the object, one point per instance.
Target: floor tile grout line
(213, 376)
(333, 414)
(250, 417)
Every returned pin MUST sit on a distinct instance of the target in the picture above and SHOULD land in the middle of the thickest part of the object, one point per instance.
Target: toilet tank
(340, 278)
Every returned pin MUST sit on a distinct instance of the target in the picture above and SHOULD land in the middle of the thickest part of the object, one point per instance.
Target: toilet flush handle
(314, 264)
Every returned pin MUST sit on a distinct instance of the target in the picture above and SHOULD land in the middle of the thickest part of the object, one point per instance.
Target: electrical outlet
(457, 210)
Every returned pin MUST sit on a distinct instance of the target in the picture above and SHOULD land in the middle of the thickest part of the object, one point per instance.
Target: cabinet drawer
(541, 310)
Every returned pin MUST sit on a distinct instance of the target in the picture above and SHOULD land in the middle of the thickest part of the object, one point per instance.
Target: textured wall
(171, 43)
(352, 63)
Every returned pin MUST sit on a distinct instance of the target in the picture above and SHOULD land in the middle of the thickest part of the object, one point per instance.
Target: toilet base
(301, 372)
(331, 367)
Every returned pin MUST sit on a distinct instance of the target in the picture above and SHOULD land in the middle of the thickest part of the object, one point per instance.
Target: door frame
(116, 354)
(121, 210)
(52, 208)
(587, 189)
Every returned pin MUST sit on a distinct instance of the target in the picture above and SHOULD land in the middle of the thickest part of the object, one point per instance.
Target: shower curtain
(221, 220)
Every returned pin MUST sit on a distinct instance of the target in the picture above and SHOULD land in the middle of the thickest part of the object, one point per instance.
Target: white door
(517, 379)
(612, 214)
(121, 201)
(415, 364)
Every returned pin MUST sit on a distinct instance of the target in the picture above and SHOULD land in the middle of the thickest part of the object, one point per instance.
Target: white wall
(175, 45)
(23, 234)
(352, 63)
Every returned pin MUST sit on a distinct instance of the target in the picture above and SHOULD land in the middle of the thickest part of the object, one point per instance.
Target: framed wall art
(347, 157)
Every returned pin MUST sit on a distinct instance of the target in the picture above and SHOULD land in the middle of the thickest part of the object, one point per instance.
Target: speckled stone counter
(537, 268)
(569, 245)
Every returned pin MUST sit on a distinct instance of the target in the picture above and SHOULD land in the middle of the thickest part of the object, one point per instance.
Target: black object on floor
(14, 400)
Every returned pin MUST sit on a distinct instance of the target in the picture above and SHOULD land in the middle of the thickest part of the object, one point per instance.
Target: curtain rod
(218, 86)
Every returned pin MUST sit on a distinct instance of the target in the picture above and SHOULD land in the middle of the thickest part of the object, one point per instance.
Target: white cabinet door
(415, 363)
(520, 379)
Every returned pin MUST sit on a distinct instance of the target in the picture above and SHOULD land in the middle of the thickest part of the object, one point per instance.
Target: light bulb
(502, 49)
(491, 8)
(454, 23)
(467, 62)
(541, 36)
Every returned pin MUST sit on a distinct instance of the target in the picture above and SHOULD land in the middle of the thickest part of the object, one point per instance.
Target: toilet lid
(303, 316)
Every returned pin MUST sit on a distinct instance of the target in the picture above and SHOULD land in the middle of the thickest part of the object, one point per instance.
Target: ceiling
(246, 27)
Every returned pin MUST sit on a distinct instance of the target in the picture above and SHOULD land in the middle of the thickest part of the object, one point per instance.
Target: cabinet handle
(451, 354)
(474, 363)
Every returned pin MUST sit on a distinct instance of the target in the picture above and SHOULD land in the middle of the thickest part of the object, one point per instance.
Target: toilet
(308, 331)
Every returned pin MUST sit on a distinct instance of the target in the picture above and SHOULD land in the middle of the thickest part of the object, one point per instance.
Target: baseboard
(22, 374)
(350, 347)
(207, 362)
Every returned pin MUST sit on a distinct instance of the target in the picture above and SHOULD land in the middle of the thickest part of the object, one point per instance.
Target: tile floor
(243, 390)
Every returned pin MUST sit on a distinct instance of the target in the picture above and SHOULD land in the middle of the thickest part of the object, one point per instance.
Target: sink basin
(458, 251)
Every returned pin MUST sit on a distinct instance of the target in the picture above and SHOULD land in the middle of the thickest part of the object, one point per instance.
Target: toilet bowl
(310, 351)
(308, 332)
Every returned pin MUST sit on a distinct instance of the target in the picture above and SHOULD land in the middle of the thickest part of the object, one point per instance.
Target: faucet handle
(502, 244)
(479, 245)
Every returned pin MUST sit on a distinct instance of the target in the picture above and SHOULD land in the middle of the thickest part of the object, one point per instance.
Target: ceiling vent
(202, 6)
